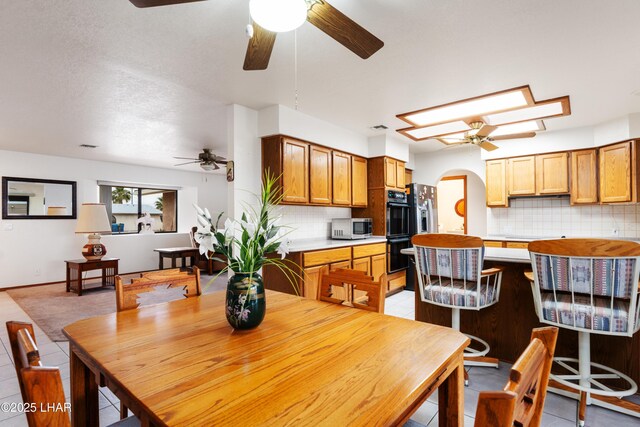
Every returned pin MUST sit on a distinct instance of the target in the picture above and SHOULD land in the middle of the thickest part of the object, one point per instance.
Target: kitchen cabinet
(358, 181)
(320, 176)
(496, 174)
(521, 172)
(362, 264)
(408, 176)
(341, 178)
(552, 173)
(615, 173)
(584, 177)
(390, 166)
(295, 174)
(400, 175)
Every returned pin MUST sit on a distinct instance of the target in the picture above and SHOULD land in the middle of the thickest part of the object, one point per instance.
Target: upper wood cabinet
(408, 176)
(522, 176)
(496, 172)
(615, 173)
(358, 181)
(400, 183)
(341, 178)
(552, 173)
(584, 173)
(295, 174)
(311, 174)
(320, 176)
(390, 172)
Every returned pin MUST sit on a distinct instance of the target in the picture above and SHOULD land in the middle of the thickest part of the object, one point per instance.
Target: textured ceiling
(148, 84)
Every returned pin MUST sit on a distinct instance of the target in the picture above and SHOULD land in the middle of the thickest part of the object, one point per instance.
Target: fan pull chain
(295, 67)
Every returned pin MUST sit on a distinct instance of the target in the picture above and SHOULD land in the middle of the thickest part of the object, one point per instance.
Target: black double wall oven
(398, 233)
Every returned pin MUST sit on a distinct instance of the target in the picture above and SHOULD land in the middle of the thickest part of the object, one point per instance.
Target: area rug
(52, 308)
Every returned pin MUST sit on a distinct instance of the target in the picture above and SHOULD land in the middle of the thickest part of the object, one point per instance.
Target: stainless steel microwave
(351, 228)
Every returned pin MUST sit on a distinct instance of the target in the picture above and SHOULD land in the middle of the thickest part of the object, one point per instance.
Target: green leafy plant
(246, 243)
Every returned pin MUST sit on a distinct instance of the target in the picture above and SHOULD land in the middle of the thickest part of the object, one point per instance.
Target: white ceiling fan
(207, 159)
(480, 135)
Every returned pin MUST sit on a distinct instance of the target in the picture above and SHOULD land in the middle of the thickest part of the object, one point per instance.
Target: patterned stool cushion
(601, 313)
(458, 296)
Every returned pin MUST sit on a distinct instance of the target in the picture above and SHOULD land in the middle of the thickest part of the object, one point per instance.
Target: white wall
(310, 222)
(279, 119)
(430, 167)
(33, 251)
(382, 145)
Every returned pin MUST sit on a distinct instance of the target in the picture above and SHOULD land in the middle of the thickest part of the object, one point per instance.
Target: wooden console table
(76, 267)
(175, 253)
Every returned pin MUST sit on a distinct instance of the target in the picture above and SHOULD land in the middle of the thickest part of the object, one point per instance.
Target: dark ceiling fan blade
(154, 3)
(486, 145)
(221, 162)
(514, 136)
(186, 158)
(259, 49)
(187, 163)
(343, 29)
(485, 131)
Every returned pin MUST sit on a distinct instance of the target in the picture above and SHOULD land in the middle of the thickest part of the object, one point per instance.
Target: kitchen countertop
(301, 245)
(496, 254)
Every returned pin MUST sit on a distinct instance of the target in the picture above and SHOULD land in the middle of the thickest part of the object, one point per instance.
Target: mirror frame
(5, 198)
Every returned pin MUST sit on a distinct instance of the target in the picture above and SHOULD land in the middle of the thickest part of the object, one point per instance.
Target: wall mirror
(30, 198)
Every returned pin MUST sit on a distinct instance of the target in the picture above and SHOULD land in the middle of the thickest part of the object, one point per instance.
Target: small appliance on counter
(351, 228)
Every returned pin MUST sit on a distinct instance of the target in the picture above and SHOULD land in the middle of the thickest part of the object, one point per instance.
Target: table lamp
(93, 220)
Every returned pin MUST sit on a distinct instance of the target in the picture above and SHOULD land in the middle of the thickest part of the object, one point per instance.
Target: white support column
(455, 319)
(584, 360)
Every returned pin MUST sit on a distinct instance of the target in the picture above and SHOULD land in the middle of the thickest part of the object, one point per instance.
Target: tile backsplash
(555, 217)
(309, 222)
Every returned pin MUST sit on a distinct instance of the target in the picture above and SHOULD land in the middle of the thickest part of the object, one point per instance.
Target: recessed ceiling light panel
(543, 110)
(472, 107)
(516, 128)
(418, 134)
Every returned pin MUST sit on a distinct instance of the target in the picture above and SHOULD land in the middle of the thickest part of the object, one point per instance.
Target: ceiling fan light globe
(278, 16)
(209, 166)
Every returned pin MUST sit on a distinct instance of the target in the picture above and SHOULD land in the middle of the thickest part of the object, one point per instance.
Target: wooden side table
(175, 253)
(76, 267)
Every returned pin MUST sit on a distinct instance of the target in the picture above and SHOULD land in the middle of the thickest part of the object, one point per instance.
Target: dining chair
(589, 286)
(41, 386)
(127, 294)
(450, 274)
(352, 288)
(521, 402)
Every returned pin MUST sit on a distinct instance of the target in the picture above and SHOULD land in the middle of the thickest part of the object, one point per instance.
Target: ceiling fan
(318, 12)
(208, 161)
(480, 135)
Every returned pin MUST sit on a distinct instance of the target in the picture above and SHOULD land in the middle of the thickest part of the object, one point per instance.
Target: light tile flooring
(559, 411)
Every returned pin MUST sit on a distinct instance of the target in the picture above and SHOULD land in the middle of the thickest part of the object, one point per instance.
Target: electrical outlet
(614, 231)
(38, 271)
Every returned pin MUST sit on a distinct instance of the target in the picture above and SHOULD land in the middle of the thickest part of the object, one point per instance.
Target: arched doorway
(471, 189)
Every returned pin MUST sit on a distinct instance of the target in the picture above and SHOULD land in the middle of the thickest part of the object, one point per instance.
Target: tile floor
(559, 411)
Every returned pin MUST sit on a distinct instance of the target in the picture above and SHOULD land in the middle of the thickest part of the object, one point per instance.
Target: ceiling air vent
(379, 127)
(88, 146)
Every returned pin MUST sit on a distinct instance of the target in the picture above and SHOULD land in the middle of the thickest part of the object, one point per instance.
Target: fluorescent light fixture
(431, 131)
(515, 128)
(538, 111)
(473, 107)
(278, 15)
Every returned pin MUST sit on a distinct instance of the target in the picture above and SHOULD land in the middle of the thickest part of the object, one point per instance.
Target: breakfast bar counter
(507, 325)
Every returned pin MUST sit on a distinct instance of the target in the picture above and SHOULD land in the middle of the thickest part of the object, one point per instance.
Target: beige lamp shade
(93, 219)
(56, 210)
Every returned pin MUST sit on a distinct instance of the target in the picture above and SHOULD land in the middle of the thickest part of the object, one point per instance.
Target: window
(140, 210)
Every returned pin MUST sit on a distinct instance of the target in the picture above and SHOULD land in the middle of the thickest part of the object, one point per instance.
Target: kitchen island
(507, 325)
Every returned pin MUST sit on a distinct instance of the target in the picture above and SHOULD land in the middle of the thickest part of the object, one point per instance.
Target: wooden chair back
(370, 296)
(127, 294)
(39, 385)
(522, 400)
(13, 327)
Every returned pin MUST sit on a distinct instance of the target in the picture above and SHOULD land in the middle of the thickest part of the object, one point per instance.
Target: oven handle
(399, 239)
(397, 204)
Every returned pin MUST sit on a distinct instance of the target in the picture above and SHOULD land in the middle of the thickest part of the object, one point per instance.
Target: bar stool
(589, 286)
(450, 274)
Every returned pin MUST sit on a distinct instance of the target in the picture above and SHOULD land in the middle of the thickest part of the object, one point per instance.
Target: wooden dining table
(308, 363)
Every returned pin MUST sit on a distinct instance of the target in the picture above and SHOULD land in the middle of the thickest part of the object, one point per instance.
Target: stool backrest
(127, 293)
(452, 261)
(587, 284)
(522, 400)
(352, 281)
